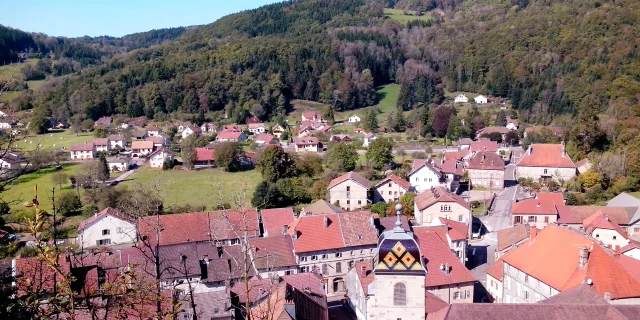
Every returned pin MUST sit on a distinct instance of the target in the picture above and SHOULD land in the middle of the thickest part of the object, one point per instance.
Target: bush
(380, 208)
(69, 204)
(26, 252)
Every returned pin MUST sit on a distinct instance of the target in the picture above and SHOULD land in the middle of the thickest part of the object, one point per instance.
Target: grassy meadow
(400, 16)
(51, 140)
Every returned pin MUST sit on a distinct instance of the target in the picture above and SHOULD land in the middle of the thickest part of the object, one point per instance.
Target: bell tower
(398, 287)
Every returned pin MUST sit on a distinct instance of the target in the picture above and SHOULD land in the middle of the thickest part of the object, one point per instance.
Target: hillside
(545, 56)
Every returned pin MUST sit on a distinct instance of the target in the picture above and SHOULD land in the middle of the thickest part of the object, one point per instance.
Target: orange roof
(350, 176)
(486, 161)
(274, 220)
(577, 214)
(342, 230)
(546, 155)
(142, 145)
(600, 221)
(553, 258)
(401, 182)
(437, 253)
(457, 230)
(457, 155)
(451, 166)
(204, 154)
(229, 135)
(496, 270)
(534, 206)
(436, 195)
(510, 236)
(488, 146)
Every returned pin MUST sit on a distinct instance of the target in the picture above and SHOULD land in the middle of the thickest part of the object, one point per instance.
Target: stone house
(350, 191)
(390, 189)
(83, 151)
(347, 238)
(546, 162)
(486, 169)
(439, 203)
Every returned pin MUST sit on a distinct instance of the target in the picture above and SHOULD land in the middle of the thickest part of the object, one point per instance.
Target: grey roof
(209, 305)
(321, 207)
(626, 200)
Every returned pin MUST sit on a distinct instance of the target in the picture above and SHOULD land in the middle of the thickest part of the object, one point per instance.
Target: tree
(294, 190)
(309, 164)
(501, 119)
(380, 153)
(68, 204)
(87, 125)
(329, 114)
(342, 157)
(319, 190)
(105, 172)
(101, 132)
(276, 164)
(586, 128)
(227, 155)
(441, 121)
(591, 179)
(370, 121)
(266, 196)
(39, 124)
(512, 138)
(60, 178)
(187, 147)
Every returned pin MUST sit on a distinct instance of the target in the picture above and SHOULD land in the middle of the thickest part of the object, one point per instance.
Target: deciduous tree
(379, 153)
(276, 164)
(342, 157)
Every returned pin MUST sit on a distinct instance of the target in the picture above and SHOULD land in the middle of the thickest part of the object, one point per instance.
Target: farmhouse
(257, 128)
(119, 163)
(191, 130)
(141, 149)
(153, 131)
(350, 191)
(159, 156)
(486, 169)
(480, 99)
(117, 141)
(83, 151)
(461, 98)
(102, 144)
(390, 189)
(204, 157)
(424, 176)
(437, 203)
(310, 144)
(107, 227)
(546, 162)
(354, 119)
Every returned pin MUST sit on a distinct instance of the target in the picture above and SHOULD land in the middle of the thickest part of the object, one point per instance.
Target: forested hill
(548, 57)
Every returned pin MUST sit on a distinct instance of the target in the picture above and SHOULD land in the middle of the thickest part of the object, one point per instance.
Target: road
(500, 217)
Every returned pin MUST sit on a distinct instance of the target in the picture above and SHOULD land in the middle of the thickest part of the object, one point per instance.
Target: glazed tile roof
(437, 195)
(546, 155)
(354, 176)
(274, 220)
(401, 182)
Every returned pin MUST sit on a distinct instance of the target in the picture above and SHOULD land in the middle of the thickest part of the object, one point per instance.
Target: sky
(77, 18)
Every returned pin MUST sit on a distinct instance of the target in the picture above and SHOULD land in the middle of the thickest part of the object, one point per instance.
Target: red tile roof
(511, 236)
(364, 271)
(553, 258)
(433, 303)
(105, 212)
(194, 129)
(534, 206)
(274, 220)
(600, 221)
(272, 252)
(343, 230)
(630, 264)
(305, 140)
(546, 155)
(633, 244)
(437, 195)
(419, 163)
(457, 155)
(457, 230)
(437, 253)
(451, 166)
(160, 149)
(404, 184)
(200, 226)
(141, 145)
(354, 176)
(265, 137)
(486, 161)
(496, 270)
(577, 214)
(311, 124)
(229, 135)
(204, 154)
(231, 128)
(82, 146)
(311, 115)
(100, 141)
(488, 146)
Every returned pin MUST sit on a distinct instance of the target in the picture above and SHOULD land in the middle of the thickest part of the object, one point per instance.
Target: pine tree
(501, 119)
(329, 115)
(371, 121)
(586, 129)
(105, 173)
(405, 97)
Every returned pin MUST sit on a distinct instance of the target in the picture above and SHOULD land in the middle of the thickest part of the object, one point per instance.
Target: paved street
(500, 217)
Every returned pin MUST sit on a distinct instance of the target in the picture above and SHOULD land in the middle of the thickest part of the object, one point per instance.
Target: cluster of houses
(479, 99)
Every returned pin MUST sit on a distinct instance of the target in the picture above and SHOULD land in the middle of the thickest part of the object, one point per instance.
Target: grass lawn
(400, 16)
(35, 84)
(180, 187)
(479, 210)
(22, 189)
(14, 70)
(51, 140)
(9, 96)
(635, 194)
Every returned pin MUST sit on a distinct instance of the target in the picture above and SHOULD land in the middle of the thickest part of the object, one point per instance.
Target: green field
(180, 187)
(51, 140)
(387, 98)
(22, 189)
(35, 84)
(9, 96)
(14, 70)
(635, 194)
(400, 16)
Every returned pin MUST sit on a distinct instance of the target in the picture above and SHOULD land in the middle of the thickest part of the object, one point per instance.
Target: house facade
(354, 119)
(350, 191)
(546, 162)
(9, 163)
(117, 141)
(538, 212)
(486, 169)
(191, 130)
(159, 156)
(480, 99)
(308, 144)
(390, 189)
(438, 203)
(119, 163)
(231, 136)
(278, 130)
(461, 98)
(257, 128)
(265, 138)
(101, 144)
(83, 151)
(140, 149)
(424, 176)
(107, 227)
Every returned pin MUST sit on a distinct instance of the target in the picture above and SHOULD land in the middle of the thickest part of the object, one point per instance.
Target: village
(474, 222)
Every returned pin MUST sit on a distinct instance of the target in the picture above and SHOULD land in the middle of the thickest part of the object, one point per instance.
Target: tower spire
(398, 227)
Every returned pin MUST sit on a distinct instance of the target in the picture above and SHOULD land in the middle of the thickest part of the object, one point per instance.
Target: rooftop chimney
(563, 152)
(295, 233)
(584, 257)
(326, 221)
(285, 228)
(538, 205)
(607, 296)
(533, 233)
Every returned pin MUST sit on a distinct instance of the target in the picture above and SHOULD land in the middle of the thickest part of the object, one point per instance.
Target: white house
(117, 141)
(153, 131)
(102, 144)
(157, 158)
(208, 128)
(82, 151)
(140, 149)
(480, 99)
(354, 119)
(191, 130)
(4, 113)
(310, 144)
(9, 163)
(119, 163)
(425, 176)
(368, 139)
(266, 138)
(107, 227)
(461, 98)
(278, 130)
(257, 128)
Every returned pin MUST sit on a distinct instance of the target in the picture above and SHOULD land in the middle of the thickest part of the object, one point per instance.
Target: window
(399, 294)
(636, 229)
(324, 256)
(106, 232)
(288, 272)
(348, 201)
(614, 237)
(456, 295)
(314, 257)
(338, 202)
(526, 278)
(348, 188)
(103, 242)
(119, 230)
(324, 269)
(353, 252)
(338, 254)
(546, 219)
(338, 267)
(526, 294)
(533, 218)
(359, 201)
(430, 179)
(350, 265)
(597, 235)
(460, 218)
(372, 251)
(417, 179)
(545, 171)
(425, 179)
(389, 192)
(362, 250)
(303, 259)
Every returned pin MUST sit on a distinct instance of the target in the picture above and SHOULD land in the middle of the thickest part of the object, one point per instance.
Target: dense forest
(548, 57)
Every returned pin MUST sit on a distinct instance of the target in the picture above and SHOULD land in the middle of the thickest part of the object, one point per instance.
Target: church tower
(398, 291)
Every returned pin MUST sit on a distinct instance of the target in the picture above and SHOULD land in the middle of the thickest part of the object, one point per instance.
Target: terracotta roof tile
(534, 206)
(274, 220)
(204, 154)
(419, 163)
(487, 146)
(600, 221)
(451, 166)
(265, 137)
(436, 195)
(82, 146)
(581, 294)
(632, 245)
(357, 228)
(305, 140)
(141, 145)
(100, 141)
(509, 311)
(436, 253)
(229, 135)
(401, 182)
(457, 230)
(364, 271)
(486, 161)
(321, 207)
(333, 231)
(511, 236)
(620, 215)
(457, 155)
(273, 252)
(546, 155)
(496, 270)
(354, 176)
(433, 303)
